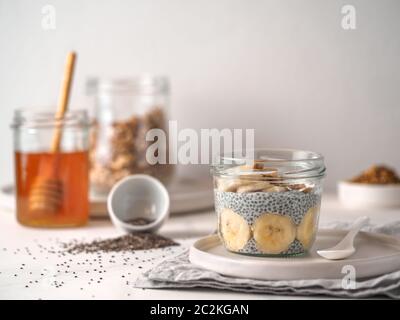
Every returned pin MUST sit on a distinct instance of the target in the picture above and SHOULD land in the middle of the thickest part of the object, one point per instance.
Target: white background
(285, 68)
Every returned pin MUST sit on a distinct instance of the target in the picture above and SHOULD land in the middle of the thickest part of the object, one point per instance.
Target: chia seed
(139, 221)
(130, 242)
(252, 205)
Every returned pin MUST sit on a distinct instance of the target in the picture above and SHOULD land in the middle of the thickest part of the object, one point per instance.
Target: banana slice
(253, 187)
(234, 229)
(275, 189)
(307, 228)
(230, 185)
(273, 233)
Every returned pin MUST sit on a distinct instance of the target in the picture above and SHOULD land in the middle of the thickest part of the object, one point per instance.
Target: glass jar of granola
(269, 205)
(125, 110)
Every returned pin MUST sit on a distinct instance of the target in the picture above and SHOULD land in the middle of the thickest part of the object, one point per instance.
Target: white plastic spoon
(345, 248)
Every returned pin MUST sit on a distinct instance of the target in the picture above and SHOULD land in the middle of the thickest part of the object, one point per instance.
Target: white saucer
(376, 255)
(187, 194)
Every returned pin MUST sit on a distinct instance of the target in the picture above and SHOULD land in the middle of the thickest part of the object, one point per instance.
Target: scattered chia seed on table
(91, 262)
(130, 242)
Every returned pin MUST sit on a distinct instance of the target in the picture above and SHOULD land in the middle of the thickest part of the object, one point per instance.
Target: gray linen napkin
(178, 272)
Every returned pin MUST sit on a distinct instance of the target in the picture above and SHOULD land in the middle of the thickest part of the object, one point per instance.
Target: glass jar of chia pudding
(268, 205)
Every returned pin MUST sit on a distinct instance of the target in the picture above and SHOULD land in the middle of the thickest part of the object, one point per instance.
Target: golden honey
(71, 170)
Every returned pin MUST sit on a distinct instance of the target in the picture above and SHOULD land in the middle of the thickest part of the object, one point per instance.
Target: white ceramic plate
(360, 195)
(187, 194)
(375, 255)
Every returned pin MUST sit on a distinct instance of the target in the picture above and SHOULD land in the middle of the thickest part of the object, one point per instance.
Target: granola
(118, 149)
(377, 174)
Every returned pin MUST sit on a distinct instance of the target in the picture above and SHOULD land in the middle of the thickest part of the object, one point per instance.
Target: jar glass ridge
(268, 204)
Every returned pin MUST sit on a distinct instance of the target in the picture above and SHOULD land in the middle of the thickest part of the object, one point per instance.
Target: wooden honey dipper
(46, 193)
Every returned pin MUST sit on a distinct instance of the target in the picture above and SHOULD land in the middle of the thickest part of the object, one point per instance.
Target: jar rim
(312, 155)
(270, 164)
(141, 84)
(45, 117)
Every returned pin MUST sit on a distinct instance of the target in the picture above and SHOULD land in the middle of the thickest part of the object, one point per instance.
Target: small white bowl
(138, 196)
(360, 195)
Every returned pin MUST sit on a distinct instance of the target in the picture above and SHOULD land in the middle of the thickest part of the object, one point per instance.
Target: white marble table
(46, 276)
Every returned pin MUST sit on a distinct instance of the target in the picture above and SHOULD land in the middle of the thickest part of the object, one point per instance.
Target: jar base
(49, 225)
(266, 255)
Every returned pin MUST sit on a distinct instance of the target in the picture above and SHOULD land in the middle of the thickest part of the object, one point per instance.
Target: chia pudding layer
(292, 204)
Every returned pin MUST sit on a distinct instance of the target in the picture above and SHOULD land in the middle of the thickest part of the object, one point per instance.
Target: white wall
(285, 68)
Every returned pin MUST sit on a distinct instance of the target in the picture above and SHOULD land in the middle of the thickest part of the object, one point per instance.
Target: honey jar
(51, 187)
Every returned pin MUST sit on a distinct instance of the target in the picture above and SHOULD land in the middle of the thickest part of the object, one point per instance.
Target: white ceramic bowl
(138, 196)
(361, 195)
